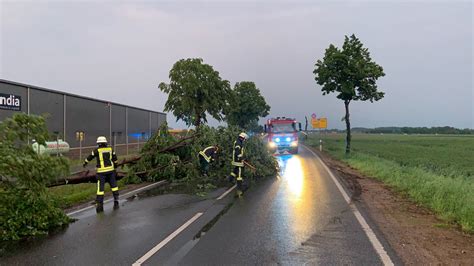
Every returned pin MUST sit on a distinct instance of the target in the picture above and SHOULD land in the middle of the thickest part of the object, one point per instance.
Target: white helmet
(244, 135)
(101, 139)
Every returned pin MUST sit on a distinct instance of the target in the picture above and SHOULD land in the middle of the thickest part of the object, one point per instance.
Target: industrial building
(79, 120)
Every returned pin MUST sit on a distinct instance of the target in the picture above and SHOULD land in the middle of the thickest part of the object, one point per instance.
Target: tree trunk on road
(348, 128)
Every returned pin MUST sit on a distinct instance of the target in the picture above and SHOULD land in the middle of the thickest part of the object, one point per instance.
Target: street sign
(319, 123)
(323, 122)
(80, 135)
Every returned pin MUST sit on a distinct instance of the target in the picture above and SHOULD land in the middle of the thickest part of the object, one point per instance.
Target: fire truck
(282, 135)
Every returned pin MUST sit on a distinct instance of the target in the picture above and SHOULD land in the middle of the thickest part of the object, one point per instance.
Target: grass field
(436, 171)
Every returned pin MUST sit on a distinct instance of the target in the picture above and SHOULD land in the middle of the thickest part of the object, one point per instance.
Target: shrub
(26, 206)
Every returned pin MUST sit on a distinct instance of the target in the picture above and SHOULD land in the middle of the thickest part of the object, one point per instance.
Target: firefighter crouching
(207, 156)
(238, 162)
(106, 161)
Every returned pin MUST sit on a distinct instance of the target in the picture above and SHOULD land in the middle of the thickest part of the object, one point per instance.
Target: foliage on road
(195, 89)
(26, 206)
(182, 165)
(246, 106)
(351, 73)
(436, 171)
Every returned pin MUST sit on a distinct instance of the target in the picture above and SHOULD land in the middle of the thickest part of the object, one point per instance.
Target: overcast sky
(120, 51)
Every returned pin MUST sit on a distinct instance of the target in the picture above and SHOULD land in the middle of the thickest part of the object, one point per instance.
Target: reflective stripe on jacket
(238, 153)
(208, 153)
(105, 157)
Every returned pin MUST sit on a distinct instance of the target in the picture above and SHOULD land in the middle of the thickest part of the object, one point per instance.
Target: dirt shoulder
(415, 233)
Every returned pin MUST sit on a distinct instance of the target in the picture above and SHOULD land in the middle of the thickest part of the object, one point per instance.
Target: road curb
(125, 195)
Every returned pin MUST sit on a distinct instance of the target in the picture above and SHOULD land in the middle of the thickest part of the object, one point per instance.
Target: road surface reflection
(291, 170)
(295, 213)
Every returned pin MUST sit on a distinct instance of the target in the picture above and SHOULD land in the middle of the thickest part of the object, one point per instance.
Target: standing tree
(195, 89)
(246, 106)
(350, 73)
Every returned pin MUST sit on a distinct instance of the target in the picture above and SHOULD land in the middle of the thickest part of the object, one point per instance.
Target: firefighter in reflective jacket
(106, 161)
(238, 162)
(207, 156)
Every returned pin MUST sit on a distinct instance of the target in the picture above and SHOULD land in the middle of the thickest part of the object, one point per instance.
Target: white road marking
(165, 241)
(365, 226)
(124, 195)
(227, 192)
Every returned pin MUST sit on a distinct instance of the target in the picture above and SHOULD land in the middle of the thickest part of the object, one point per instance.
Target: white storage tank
(52, 147)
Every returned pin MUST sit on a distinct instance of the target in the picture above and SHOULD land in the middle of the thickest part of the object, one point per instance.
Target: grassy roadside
(69, 195)
(431, 170)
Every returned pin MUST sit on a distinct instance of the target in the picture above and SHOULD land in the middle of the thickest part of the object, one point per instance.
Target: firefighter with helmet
(106, 160)
(238, 162)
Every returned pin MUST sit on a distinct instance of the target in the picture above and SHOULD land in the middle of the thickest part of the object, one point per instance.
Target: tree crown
(195, 89)
(350, 72)
(246, 105)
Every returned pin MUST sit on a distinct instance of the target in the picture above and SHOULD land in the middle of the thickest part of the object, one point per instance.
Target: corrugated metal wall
(69, 114)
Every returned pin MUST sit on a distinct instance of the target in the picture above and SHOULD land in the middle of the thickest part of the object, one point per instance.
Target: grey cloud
(121, 51)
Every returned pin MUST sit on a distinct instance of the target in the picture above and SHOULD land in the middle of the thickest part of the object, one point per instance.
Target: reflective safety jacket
(209, 154)
(106, 159)
(238, 153)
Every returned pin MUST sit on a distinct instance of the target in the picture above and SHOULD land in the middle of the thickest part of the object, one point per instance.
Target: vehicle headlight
(294, 143)
(288, 139)
(277, 140)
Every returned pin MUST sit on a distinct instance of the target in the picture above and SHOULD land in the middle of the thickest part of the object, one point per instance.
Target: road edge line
(376, 244)
(227, 192)
(124, 195)
(165, 241)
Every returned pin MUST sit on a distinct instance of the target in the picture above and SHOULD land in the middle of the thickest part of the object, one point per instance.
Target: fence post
(80, 149)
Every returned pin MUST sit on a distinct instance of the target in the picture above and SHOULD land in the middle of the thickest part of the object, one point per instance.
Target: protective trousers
(101, 179)
(237, 174)
(204, 164)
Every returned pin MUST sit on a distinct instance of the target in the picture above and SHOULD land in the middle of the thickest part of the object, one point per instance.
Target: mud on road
(416, 234)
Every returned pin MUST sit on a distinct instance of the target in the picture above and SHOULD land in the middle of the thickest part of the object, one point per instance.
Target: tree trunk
(197, 123)
(348, 128)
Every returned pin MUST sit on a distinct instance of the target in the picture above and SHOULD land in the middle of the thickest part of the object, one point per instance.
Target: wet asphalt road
(298, 218)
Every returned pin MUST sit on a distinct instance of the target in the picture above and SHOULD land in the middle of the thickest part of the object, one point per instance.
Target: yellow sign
(80, 135)
(323, 122)
(319, 122)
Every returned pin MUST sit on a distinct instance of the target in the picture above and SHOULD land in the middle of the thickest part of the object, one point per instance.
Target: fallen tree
(87, 176)
(175, 158)
(181, 164)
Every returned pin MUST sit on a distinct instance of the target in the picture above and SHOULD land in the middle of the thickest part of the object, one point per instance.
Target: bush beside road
(435, 171)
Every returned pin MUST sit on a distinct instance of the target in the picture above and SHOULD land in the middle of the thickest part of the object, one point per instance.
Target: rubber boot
(99, 204)
(239, 191)
(116, 200)
(99, 207)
